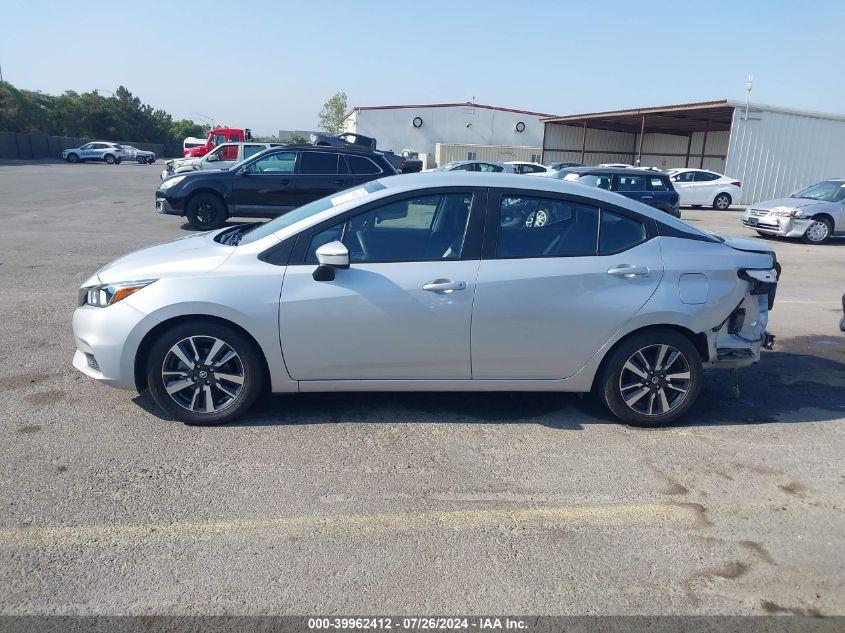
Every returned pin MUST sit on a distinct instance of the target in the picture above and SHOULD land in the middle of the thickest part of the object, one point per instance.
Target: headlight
(167, 184)
(104, 295)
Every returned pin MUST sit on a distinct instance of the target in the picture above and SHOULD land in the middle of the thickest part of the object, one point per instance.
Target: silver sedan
(433, 282)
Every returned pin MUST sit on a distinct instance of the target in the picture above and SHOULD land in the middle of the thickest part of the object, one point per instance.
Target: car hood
(787, 204)
(191, 255)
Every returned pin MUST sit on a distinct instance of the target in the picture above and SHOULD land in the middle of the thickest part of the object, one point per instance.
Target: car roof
(612, 170)
(330, 148)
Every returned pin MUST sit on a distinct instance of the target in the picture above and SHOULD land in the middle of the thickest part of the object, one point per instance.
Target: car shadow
(802, 383)
(229, 223)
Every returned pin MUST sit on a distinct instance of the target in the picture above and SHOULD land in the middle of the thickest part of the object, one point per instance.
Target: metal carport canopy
(680, 120)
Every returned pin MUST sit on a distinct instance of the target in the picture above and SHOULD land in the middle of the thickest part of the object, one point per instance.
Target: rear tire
(722, 202)
(210, 399)
(205, 212)
(73, 158)
(652, 378)
(109, 159)
(818, 232)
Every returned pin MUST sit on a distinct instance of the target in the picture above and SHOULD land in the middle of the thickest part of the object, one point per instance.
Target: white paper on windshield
(349, 196)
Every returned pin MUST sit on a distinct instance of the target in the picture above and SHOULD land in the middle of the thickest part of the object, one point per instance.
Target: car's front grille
(92, 362)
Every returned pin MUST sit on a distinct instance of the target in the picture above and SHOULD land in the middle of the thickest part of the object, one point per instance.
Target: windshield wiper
(233, 236)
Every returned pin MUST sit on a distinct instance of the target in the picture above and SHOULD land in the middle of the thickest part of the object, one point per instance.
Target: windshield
(310, 209)
(827, 191)
(448, 166)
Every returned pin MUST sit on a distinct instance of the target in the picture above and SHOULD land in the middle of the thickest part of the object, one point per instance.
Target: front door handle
(288, 182)
(444, 285)
(340, 182)
(629, 271)
(647, 197)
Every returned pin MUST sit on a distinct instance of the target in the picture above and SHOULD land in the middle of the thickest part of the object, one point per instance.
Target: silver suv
(814, 214)
(433, 282)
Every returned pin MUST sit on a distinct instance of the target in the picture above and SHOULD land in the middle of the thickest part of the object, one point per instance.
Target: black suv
(268, 184)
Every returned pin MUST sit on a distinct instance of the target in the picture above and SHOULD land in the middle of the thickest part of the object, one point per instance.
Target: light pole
(207, 118)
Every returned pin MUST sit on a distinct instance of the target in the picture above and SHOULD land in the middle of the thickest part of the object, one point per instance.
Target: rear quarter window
(619, 233)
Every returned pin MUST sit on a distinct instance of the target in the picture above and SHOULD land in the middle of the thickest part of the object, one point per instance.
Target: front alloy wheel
(818, 232)
(204, 373)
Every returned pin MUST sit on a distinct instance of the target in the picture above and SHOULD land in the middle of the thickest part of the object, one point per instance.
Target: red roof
(467, 104)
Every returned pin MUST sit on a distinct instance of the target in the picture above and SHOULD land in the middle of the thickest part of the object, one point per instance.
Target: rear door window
(362, 166)
(625, 182)
(318, 163)
(619, 233)
(705, 176)
(544, 227)
(658, 183)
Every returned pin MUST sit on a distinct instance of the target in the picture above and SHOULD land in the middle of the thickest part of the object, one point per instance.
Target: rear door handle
(647, 197)
(340, 182)
(288, 182)
(629, 271)
(444, 285)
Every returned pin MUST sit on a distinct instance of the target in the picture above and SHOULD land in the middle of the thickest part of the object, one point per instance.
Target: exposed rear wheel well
(143, 352)
(698, 340)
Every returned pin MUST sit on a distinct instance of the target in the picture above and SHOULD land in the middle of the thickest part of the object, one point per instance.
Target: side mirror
(331, 256)
(245, 171)
(213, 158)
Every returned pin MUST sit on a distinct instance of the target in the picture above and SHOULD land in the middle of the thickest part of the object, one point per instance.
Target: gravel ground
(401, 503)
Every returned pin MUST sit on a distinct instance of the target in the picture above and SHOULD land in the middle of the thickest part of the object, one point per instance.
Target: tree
(333, 114)
(183, 128)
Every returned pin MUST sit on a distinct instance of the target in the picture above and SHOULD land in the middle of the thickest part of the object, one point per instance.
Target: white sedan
(700, 187)
(524, 167)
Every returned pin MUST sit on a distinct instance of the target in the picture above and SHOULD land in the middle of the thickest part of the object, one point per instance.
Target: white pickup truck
(221, 157)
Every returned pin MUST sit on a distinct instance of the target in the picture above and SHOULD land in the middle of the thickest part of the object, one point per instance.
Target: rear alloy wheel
(110, 160)
(652, 379)
(818, 232)
(204, 373)
(206, 211)
(722, 201)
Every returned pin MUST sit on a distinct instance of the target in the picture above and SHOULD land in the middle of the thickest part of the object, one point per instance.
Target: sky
(271, 65)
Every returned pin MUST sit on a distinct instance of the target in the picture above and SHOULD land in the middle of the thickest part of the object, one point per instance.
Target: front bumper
(107, 340)
(772, 225)
(166, 207)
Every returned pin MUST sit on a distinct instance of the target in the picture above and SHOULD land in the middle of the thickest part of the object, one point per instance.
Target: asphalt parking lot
(401, 503)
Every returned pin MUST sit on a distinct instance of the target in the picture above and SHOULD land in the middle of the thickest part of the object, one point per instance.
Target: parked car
(649, 187)
(218, 136)
(523, 167)
(564, 165)
(406, 163)
(221, 157)
(142, 156)
(700, 187)
(477, 165)
(814, 214)
(453, 282)
(268, 184)
(105, 151)
(617, 165)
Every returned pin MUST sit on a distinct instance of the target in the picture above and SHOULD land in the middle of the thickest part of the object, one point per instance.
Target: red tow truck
(220, 135)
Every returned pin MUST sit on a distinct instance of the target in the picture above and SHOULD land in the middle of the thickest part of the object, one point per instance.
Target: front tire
(204, 373)
(722, 202)
(818, 232)
(73, 158)
(110, 160)
(205, 212)
(652, 378)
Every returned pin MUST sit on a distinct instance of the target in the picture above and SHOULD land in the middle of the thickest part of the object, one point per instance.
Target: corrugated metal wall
(447, 152)
(563, 142)
(777, 153)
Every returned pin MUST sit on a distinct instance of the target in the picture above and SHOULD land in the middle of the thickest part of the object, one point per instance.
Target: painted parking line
(671, 514)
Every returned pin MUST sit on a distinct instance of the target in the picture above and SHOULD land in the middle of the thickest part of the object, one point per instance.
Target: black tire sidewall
(609, 384)
(254, 374)
(73, 158)
(107, 161)
(220, 209)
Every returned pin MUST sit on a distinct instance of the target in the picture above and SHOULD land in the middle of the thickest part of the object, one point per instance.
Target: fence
(23, 146)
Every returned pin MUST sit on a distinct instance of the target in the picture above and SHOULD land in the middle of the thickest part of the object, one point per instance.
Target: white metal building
(773, 151)
(419, 128)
